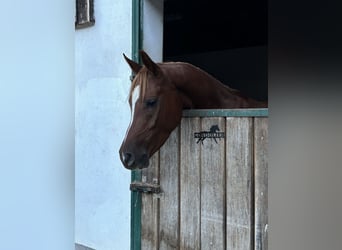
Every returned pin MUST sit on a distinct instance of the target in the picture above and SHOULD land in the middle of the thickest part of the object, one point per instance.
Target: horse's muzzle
(130, 161)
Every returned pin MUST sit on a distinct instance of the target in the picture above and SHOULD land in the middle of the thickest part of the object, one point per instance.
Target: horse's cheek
(174, 118)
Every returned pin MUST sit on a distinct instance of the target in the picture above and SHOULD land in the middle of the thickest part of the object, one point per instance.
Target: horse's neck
(202, 91)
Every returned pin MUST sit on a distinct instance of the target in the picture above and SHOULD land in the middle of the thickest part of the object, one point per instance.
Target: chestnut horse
(158, 94)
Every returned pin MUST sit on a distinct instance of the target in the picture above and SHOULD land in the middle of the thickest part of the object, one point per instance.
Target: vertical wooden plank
(261, 182)
(239, 182)
(213, 232)
(190, 185)
(169, 199)
(150, 207)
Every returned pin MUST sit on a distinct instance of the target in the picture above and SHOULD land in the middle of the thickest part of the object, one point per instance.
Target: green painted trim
(136, 214)
(136, 174)
(136, 29)
(226, 113)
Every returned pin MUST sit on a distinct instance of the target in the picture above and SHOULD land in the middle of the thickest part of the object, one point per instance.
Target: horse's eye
(150, 103)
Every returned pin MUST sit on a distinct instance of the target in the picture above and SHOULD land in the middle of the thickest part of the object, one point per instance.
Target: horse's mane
(203, 72)
(139, 79)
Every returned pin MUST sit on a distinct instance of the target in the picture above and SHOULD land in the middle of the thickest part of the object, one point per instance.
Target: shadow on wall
(81, 247)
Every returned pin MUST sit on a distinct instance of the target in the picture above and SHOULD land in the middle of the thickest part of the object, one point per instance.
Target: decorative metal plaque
(84, 14)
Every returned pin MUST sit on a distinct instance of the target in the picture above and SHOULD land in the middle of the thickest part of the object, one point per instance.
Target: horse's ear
(133, 65)
(150, 65)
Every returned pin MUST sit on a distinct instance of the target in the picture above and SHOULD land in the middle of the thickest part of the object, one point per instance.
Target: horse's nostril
(128, 159)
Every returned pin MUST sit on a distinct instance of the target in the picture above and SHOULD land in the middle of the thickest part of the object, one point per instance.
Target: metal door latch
(144, 187)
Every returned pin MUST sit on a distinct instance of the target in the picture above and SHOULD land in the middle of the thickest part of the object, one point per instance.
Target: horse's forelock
(139, 79)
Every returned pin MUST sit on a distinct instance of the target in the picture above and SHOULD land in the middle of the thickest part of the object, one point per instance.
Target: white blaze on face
(135, 97)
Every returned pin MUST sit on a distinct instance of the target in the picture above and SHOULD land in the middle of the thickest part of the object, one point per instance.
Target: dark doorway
(226, 38)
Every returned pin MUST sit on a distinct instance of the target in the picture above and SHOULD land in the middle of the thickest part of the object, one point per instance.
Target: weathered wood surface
(239, 183)
(150, 208)
(169, 200)
(214, 195)
(213, 231)
(261, 183)
(190, 199)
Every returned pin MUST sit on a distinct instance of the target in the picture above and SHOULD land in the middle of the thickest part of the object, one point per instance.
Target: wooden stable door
(208, 185)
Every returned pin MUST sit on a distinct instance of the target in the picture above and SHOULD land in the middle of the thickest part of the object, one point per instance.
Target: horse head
(156, 110)
(214, 129)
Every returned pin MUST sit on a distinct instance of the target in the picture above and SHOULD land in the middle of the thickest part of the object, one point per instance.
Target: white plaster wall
(102, 197)
(153, 29)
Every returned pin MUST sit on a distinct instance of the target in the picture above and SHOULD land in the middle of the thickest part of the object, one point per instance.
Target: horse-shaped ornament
(158, 94)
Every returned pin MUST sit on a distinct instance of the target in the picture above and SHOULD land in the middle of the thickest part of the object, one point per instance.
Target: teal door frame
(137, 26)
